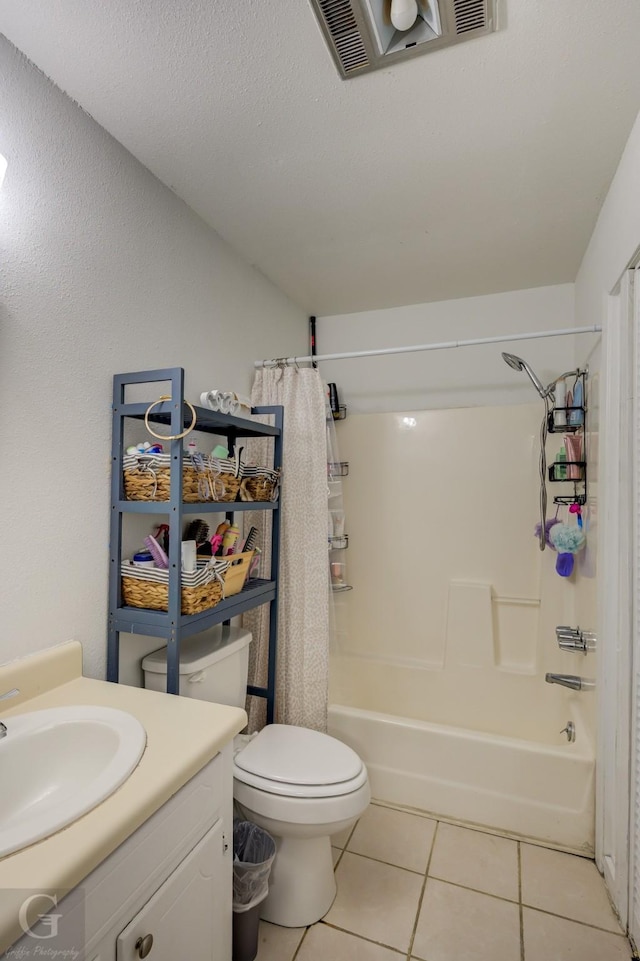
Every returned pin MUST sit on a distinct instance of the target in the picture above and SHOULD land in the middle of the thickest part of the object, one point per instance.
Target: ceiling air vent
(364, 35)
(343, 35)
(470, 15)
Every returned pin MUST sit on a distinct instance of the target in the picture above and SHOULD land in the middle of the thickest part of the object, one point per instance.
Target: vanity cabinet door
(189, 916)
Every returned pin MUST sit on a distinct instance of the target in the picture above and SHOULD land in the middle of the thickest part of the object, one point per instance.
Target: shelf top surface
(257, 591)
(209, 421)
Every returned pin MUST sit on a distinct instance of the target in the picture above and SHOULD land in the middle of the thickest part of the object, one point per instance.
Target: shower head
(517, 363)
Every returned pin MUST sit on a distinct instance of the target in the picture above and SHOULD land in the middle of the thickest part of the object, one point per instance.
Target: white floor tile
(566, 885)
(457, 924)
(469, 910)
(323, 943)
(375, 900)
(276, 943)
(476, 860)
(547, 938)
(394, 836)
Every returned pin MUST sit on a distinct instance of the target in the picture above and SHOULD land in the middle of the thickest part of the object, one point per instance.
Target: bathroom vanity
(148, 872)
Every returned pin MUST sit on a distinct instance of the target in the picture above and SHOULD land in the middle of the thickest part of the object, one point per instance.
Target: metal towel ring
(170, 436)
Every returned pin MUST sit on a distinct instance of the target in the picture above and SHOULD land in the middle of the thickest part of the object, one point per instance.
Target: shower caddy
(172, 625)
(575, 423)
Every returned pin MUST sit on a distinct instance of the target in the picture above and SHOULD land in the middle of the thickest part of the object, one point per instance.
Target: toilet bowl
(300, 785)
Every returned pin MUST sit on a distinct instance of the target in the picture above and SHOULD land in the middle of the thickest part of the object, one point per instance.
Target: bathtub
(536, 791)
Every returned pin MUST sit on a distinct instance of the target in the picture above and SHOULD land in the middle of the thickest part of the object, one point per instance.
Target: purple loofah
(547, 527)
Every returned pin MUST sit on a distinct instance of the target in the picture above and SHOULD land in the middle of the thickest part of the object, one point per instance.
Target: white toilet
(299, 785)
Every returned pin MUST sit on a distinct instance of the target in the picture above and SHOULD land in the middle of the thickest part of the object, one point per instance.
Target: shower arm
(550, 388)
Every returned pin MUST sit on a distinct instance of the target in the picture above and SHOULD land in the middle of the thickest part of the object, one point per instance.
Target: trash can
(253, 853)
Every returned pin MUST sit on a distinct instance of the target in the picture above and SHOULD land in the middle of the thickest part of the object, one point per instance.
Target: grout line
(295, 953)
(388, 864)
(465, 887)
(422, 892)
(455, 884)
(339, 859)
(360, 937)
(482, 828)
(585, 924)
(520, 910)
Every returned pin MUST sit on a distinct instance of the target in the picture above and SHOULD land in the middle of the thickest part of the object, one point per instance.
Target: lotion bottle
(559, 413)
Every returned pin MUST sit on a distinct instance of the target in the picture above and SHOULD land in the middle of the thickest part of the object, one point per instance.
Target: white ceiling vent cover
(342, 34)
(361, 36)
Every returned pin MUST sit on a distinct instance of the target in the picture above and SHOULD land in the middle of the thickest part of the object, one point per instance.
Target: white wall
(616, 237)
(461, 377)
(613, 245)
(102, 270)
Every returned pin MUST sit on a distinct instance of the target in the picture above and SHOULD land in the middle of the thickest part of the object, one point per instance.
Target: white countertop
(183, 734)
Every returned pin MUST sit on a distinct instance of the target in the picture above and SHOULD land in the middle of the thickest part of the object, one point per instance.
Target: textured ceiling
(470, 170)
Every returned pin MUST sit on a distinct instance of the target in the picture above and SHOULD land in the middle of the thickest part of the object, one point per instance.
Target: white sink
(56, 765)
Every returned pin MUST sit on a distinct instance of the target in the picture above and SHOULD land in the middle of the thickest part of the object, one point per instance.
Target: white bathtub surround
(303, 623)
(537, 790)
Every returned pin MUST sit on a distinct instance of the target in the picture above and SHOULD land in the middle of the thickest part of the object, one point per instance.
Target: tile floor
(411, 887)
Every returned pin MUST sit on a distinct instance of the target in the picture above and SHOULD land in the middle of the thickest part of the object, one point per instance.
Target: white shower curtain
(302, 674)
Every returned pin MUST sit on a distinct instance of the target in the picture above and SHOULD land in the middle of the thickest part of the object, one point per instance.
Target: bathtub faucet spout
(571, 681)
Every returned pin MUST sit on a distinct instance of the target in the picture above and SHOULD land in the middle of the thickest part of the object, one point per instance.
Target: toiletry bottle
(229, 539)
(573, 447)
(143, 559)
(559, 412)
(576, 416)
(560, 472)
(334, 402)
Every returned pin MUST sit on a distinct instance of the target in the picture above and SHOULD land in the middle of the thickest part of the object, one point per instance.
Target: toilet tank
(213, 666)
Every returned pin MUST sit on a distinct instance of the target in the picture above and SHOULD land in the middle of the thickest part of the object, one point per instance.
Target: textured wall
(102, 270)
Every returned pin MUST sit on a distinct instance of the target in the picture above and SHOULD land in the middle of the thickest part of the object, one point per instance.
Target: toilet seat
(297, 762)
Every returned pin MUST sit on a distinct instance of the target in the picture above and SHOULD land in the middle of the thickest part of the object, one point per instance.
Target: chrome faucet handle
(575, 640)
(572, 681)
(570, 731)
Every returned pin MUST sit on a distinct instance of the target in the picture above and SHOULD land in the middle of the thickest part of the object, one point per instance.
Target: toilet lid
(296, 755)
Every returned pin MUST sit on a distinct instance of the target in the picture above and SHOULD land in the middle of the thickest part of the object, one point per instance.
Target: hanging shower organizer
(171, 624)
(338, 542)
(571, 420)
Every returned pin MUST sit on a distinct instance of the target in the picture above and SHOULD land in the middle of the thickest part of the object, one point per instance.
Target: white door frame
(616, 599)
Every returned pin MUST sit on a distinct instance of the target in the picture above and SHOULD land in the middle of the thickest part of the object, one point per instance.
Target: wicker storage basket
(236, 574)
(259, 484)
(146, 478)
(149, 587)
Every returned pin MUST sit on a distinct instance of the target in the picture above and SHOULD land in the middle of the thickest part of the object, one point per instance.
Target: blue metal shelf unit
(172, 625)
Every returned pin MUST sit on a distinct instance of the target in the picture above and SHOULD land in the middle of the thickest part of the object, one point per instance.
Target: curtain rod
(445, 345)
